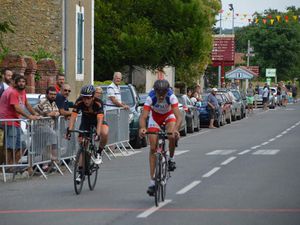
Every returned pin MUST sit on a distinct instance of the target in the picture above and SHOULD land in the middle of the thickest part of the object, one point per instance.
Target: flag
(278, 18)
(256, 20)
(264, 21)
(272, 21)
(286, 18)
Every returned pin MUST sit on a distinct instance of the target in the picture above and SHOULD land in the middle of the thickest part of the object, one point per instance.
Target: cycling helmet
(161, 86)
(87, 90)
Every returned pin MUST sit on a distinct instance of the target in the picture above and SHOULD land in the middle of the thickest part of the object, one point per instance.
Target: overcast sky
(245, 9)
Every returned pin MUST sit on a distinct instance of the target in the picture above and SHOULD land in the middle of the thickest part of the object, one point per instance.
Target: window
(79, 40)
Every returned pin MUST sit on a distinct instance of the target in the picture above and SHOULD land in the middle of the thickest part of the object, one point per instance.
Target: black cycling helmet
(87, 90)
(161, 86)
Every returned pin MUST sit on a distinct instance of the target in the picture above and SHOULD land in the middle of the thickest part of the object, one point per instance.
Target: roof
(240, 73)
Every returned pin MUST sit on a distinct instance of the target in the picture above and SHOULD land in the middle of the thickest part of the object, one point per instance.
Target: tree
(152, 34)
(276, 46)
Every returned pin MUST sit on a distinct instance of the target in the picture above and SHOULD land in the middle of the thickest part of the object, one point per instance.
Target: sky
(245, 9)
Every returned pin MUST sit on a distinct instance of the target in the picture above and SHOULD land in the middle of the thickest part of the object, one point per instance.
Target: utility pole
(219, 67)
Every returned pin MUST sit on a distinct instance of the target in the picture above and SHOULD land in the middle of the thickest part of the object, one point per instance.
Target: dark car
(192, 115)
(130, 97)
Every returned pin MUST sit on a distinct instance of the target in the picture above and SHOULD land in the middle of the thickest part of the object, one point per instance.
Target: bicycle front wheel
(158, 167)
(78, 172)
(92, 173)
(164, 177)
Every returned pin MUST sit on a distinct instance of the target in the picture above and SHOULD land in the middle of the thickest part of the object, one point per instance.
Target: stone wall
(39, 75)
(38, 24)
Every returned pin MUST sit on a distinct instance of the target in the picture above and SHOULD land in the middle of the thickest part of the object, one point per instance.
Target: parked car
(225, 109)
(238, 97)
(130, 97)
(235, 105)
(192, 115)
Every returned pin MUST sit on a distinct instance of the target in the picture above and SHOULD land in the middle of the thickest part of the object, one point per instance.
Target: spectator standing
(48, 108)
(13, 104)
(284, 95)
(60, 81)
(213, 106)
(279, 99)
(62, 101)
(265, 96)
(294, 92)
(250, 98)
(99, 93)
(256, 95)
(6, 80)
(114, 99)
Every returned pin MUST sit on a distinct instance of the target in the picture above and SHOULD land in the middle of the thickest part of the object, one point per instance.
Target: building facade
(63, 28)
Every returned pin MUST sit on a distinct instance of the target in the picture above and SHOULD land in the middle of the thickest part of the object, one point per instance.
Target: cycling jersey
(89, 114)
(160, 111)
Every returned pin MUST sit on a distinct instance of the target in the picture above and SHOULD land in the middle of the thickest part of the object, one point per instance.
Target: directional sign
(223, 49)
(270, 72)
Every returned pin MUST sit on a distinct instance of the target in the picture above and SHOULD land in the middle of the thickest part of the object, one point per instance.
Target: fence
(41, 142)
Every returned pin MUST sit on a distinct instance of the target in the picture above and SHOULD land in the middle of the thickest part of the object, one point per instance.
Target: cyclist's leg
(104, 136)
(170, 127)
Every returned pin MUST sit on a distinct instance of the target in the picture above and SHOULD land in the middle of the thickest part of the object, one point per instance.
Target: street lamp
(232, 9)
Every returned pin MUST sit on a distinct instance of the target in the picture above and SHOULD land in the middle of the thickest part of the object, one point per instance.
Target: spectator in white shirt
(114, 99)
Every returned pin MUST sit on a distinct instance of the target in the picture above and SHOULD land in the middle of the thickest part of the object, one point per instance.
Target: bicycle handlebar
(79, 131)
(160, 133)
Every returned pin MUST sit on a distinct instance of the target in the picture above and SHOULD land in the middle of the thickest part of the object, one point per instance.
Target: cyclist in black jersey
(92, 115)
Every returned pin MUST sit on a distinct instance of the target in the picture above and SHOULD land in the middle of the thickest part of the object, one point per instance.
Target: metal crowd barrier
(14, 142)
(43, 142)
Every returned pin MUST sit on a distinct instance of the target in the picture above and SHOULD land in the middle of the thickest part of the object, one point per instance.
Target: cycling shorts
(156, 120)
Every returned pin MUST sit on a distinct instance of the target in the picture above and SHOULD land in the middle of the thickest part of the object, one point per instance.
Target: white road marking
(272, 139)
(228, 161)
(266, 152)
(188, 187)
(265, 143)
(284, 132)
(278, 136)
(221, 152)
(193, 135)
(289, 129)
(126, 153)
(180, 152)
(293, 126)
(255, 147)
(151, 210)
(211, 172)
(244, 152)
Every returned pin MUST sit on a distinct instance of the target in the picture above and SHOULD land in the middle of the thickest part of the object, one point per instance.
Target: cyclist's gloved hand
(68, 134)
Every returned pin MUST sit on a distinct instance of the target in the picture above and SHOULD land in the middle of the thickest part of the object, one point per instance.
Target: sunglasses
(66, 90)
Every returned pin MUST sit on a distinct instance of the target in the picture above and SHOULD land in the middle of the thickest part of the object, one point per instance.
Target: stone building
(63, 28)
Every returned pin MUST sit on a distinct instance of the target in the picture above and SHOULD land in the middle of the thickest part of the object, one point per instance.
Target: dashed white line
(148, 212)
(266, 152)
(221, 152)
(284, 132)
(255, 147)
(279, 135)
(272, 139)
(180, 152)
(188, 187)
(244, 152)
(211, 172)
(265, 143)
(228, 161)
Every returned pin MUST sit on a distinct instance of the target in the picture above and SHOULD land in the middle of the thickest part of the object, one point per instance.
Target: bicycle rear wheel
(78, 172)
(92, 173)
(158, 168)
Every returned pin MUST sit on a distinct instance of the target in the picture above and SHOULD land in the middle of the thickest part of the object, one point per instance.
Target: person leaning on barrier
(114, 99)
(62, 101)
(13, 102)
(92, 115)
(48, 108)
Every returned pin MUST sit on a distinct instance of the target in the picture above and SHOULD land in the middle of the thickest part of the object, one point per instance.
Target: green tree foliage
(275, 46)
(153, 34)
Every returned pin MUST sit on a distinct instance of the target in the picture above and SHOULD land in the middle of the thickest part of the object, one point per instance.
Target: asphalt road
(244, 173)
